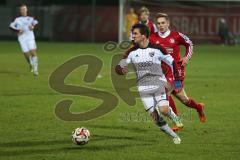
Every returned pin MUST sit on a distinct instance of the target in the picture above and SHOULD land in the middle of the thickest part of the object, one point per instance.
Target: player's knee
(184, 99)
(33, 52)
(163, 107)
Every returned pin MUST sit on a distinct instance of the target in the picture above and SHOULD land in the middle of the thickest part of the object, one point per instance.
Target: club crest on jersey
(171, 40)
(151, 54)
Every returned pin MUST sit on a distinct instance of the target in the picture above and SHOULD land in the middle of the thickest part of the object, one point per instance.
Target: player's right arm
(15, 26)
(121, 68)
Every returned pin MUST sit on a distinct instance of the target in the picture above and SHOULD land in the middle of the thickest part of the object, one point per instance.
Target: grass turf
(29, 128)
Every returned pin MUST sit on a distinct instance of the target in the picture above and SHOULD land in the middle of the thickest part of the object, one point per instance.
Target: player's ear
(168, 22)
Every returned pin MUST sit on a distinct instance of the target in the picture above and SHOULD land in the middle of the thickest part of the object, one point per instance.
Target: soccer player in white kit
(24, 26)
(146, 59)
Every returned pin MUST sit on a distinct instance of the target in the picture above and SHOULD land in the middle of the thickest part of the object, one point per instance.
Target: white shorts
(152, 95)
(27, 45)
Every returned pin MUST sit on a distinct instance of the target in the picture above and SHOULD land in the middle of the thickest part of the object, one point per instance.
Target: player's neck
(164, 34)
(144, 43)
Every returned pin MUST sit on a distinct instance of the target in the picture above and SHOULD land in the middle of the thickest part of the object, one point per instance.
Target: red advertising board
(100, 24)
(81, 23)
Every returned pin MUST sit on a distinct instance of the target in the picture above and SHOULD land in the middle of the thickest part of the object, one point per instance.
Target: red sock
(172, 105)
(193, 104)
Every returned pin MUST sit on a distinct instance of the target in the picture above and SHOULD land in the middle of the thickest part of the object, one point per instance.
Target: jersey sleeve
(15, 25)
(184, 40)
(126, 59)
(167, 58)
(34, 22)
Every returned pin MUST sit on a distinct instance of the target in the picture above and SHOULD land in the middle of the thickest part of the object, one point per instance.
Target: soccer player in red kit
(144, 19)
(171, 41)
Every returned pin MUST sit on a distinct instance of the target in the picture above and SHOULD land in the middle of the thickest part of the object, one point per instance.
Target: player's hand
(184, 61)
(20, 31)
(31, 27)
(125, 70)
(177, 85)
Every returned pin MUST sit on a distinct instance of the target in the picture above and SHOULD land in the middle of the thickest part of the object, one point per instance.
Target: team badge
(171, 40)
(151, 54)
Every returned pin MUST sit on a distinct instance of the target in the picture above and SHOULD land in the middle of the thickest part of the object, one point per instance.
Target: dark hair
(22, 5)
(162, 15)
(144, 30)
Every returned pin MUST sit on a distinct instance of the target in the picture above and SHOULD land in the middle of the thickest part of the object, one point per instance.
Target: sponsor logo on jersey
(171, 40)
(151, 54)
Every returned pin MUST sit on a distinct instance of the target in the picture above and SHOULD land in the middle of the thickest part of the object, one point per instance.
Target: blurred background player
(130, 20)
(171, 41)
(24, 26)
(146, 59)
(227, 38)
(223, 31)
(144, 18)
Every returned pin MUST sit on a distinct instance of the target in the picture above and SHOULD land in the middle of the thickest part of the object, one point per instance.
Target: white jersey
(23, 23)
(147, 64)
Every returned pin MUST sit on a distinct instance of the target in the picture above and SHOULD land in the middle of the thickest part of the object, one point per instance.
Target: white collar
(165, 34)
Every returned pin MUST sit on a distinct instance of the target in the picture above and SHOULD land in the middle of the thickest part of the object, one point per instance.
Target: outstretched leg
(161, 123)
(189, 102)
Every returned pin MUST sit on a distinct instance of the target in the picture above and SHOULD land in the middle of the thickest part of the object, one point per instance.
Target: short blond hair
(144, 9)
(162, 15)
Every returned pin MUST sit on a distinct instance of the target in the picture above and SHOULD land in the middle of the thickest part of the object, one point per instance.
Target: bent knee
(163, 109)
(184, 100)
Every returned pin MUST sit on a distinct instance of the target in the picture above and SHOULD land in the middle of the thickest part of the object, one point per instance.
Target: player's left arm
(168, 59)
(184, 40)
(33, 24)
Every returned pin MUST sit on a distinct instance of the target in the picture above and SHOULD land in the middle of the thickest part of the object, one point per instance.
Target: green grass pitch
(29, 128)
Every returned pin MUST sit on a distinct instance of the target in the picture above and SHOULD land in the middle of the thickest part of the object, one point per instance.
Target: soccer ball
(80, 136)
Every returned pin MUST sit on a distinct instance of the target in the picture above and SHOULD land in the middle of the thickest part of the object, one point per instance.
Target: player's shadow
(28, 148)
(33, 143)
(120, 138)
(28, 94)
(12, 73)
(132, 129)
(44, 152)
(109, 147)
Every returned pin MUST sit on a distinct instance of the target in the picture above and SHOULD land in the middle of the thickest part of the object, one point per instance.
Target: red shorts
(170, 79)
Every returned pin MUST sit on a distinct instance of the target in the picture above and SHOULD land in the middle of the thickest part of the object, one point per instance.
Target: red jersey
(151, 26)
(171, 41)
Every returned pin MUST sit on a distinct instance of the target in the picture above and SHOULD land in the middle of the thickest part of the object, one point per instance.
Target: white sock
(31, 61)
(171, 114)
(166, 129)
(35, 63)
